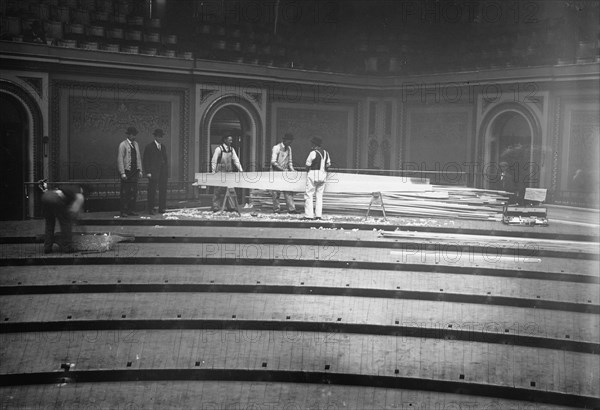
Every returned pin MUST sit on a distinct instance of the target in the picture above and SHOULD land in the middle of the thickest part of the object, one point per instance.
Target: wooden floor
(243, 313)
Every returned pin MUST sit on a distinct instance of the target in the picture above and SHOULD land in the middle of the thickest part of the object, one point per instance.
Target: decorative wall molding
(538, 101)
(400, 138)
(205, 94)
(560, 116)
(253, 113)
(256, 97)
(372, 152)
(556, 143)
(386, 149)
(210, 93)
(36, 84)
(358, 126)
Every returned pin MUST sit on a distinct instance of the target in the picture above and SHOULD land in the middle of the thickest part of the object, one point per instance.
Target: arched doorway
(14, 163)
(232, 120)
(235, 116)
(510, 135)
(510, 147)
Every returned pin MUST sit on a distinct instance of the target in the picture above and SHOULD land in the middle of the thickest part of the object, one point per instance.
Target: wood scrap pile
(95, 241)
(440, 202)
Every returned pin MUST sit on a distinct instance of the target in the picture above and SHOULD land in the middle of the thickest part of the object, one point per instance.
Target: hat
(288, 136)
(131, 131)
(158, 132)
(316, 141)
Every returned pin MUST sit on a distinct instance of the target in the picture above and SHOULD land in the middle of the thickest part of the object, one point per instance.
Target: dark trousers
(129, 191)
(159, 182)
(54, 208)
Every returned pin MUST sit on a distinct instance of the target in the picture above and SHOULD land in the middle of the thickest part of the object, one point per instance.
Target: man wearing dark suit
(156, 165)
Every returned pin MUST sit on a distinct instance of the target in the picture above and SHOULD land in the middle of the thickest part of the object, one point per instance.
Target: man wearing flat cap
(156, 166)
(281, 161)
(224, 159)
(317, 165)
(129, 164)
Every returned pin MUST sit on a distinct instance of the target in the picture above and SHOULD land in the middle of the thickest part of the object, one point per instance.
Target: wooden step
(253, 395)
(296, 356)
(64, 310)
(518, 292)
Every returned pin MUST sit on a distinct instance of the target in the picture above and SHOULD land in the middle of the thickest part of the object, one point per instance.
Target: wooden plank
(471, 318)
(296, 182)
(295, 254)
(220, 395)
(511, 366)
(405, 235)
(444, 202)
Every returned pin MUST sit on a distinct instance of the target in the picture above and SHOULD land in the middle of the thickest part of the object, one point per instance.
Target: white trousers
(315, 185)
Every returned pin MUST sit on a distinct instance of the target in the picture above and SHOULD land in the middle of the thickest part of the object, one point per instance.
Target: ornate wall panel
(583, 147)
(373, 153)
(381, 150)
(89, 120)
(575, 144)
(437, 139)
(96, 128)
(334, 126)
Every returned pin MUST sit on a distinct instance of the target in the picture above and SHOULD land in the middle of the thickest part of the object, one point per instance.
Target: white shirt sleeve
(236, 160)
(215, 158)
(274, 154)
(311, 158)
(291, 162)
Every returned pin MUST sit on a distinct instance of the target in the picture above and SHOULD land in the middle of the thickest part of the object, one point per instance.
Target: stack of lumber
(440, 202)
(295, 181)
(351, 193)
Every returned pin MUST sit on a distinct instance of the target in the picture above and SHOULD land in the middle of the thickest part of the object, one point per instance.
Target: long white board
(296, 182)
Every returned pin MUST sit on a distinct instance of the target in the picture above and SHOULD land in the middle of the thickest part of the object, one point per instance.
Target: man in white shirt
(129, 164)
(317, 164)
(224, 159)
(281, 161)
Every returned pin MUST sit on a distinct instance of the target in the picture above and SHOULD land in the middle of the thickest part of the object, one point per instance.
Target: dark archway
(14, 134)
(19, 107)
(231, 120)
(510, 133)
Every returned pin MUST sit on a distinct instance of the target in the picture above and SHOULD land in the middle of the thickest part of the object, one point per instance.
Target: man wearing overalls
(317, 164)
(224, 159)
(281, 161)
